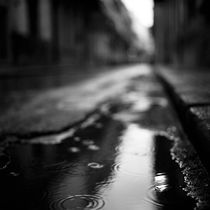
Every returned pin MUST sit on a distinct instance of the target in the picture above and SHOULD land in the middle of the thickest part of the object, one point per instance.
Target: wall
(182, 32)
(79, 32)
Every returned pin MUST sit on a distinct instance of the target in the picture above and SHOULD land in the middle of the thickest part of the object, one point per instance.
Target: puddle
(109, 163)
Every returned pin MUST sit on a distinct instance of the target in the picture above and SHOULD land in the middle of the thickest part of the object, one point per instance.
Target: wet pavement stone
(190, 92)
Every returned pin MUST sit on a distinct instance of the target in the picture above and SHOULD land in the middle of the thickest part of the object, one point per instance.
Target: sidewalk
(189, 90)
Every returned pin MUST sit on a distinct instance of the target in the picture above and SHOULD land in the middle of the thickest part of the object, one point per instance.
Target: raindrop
(78, 202)
(74, 149)
(93, 147)
(4, 161)
(95, 165)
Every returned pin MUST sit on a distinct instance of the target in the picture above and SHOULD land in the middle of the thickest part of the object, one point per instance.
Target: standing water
(125, 163)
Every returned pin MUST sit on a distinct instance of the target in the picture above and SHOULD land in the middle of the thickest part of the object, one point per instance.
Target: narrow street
(111, 142)
(104, 104)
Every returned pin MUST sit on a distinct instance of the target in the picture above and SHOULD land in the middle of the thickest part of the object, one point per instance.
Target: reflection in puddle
(131, 166)
(168, 182)
(134, 151)
(161, 182)
(135, 140)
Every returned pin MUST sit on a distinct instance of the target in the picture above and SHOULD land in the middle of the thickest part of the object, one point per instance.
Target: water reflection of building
(45, 31)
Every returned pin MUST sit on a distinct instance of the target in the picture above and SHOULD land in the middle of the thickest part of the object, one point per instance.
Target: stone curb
(195, 126)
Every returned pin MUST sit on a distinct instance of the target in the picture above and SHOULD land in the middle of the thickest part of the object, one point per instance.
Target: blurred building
(65, 31)
(182, 31)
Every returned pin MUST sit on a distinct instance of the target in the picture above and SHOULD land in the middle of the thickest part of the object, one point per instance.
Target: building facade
(182, 32)
(64, 31)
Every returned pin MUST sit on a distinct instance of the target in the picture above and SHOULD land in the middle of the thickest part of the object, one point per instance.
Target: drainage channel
(133, 157)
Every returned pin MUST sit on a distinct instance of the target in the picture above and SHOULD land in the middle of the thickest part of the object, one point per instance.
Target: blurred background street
(104, 104)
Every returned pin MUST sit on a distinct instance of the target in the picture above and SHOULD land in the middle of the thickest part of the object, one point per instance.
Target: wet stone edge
(196, 177)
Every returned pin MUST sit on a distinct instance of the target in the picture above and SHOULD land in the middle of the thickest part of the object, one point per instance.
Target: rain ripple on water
(83, 202)
(95, 165)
